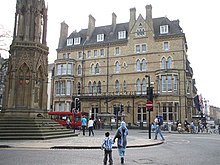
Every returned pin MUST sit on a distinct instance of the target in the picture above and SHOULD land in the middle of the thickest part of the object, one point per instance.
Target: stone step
(18, 128)
(37, 137)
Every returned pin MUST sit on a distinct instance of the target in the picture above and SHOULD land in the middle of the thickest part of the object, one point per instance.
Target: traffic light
(150, 93)
(78, 104)
(121, 108)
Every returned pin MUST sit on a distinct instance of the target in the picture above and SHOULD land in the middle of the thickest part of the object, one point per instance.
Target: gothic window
(94, 88)
(90, 88)
(93, 69)
(138, 65)
(163, 63)
(97, 68)
(144, 86)
(99, 87)
(117, 86)
(117, 67)
(138, 87)
(169, 63)
(143, 65)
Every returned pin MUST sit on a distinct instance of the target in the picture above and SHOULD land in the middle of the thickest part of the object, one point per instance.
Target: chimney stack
(149, 18)
(63, 34)
(114, 18)
(132, 18)
(91, 26)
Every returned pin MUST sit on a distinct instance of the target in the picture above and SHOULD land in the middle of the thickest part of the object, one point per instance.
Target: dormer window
(121, 35)
(77, 41)
(69, 41)
(164, 29)
(100, 37)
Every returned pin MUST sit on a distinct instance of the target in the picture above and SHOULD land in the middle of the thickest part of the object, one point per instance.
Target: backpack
(160, 120)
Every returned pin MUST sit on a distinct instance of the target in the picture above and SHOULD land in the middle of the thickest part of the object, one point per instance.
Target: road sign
(149, 104)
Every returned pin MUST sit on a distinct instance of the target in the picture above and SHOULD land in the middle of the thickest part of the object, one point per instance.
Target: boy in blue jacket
(107, 146)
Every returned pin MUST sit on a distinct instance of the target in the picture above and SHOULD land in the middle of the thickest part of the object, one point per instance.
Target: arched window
(117, 67)
(99, 87)
(163, 63)
(169, 63)
(93, 69)
(144, 86)
(94, 88)
(90, 88)
(97, 68)
(79, 70)
(144, 65)
(138, 87)
(117, 86)
(78, 88)
(138, 65)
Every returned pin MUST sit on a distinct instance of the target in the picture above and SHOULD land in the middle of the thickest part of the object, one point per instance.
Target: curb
(99, 147)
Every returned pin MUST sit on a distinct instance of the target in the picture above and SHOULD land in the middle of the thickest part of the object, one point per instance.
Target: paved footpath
(136, 138)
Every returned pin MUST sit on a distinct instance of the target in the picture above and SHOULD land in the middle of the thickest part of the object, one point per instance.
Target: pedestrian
(107, 146)
(84, 123)
(192, 127)
(91, 125)
(158, 130)
(68, 123)
(121, 136)
(219, 128)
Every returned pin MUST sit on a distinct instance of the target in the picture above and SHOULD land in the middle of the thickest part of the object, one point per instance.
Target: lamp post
(149, 103)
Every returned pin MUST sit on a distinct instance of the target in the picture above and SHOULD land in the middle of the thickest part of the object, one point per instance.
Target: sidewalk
(136, 138)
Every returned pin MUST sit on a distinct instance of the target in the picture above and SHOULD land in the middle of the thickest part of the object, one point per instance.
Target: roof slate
(112, 37)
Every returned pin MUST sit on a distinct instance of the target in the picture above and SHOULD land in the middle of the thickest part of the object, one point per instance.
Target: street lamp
(149, 100)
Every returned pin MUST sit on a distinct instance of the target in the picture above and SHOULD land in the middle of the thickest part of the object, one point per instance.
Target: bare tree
(5, 39)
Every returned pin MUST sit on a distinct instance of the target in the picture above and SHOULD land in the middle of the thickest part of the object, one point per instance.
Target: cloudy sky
(198, 19)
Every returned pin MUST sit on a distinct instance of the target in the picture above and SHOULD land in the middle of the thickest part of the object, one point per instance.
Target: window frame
(164, 29)
(69, 42)
(100, 37)
(77, 40)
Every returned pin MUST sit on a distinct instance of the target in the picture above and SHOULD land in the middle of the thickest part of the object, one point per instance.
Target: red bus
(61, 118)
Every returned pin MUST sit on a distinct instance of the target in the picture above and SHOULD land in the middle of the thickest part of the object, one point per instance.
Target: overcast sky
(198, 19)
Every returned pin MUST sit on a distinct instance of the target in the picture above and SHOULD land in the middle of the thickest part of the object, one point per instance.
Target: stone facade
(109, 66)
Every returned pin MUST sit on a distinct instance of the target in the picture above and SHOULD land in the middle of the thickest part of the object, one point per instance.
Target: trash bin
(129, 125)
(141, 125)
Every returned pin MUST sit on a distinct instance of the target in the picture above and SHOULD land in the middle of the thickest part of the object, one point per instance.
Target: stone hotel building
(109, 69)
